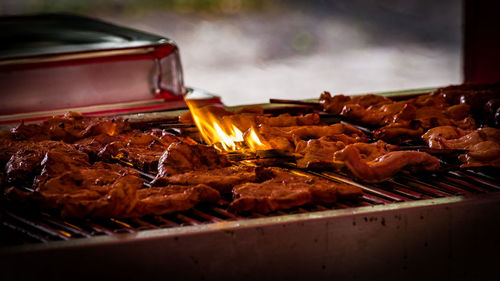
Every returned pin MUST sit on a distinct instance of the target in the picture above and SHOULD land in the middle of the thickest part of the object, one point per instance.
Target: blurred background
(250, 51)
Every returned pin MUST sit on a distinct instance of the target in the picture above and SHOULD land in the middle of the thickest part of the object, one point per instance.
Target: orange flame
(221, 135)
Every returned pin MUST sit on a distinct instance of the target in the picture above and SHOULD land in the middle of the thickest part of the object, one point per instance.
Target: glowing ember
(223, 136)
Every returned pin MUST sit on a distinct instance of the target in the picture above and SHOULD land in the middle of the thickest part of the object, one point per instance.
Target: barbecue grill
(434, 226)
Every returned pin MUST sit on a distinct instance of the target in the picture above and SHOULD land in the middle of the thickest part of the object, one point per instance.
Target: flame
(223, 135)
(254, 142)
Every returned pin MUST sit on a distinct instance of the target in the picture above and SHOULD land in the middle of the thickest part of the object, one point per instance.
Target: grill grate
(22, 226)
(19, 226)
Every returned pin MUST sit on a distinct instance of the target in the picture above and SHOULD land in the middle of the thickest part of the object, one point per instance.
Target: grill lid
(56, 62)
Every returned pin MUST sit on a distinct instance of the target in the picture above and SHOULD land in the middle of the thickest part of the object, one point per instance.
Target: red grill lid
(53, 63)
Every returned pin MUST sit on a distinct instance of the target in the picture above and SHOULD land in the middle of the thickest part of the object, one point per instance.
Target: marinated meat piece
(322, 153)
(9, 145)
(26, 163)
(367, 151)
(318, 153)
(477, 96)
(95, 144)
(268, 196)
(486, 153)
(286, 120)
(287, 190)
(286, 138)
(110, 190)
(434, 136)
(472, 138)
(245, 121)
(322, 190)
(172, 198)
(400, 120)
(142, 150)
(335, 105)
(482, 145)
(276, 138)
(71, 127)
(143, 158)
(182, 157)
(57, 162)
(361, 115)
(222, 179)
(33, 132)
(80, 195)
(101, 190)
(457, 112)
(389, 164)
(398, 132)
(315, 132)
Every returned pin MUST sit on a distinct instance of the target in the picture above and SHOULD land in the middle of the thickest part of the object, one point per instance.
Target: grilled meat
(486, 153)
(335, 104)
(269, 196)
(222, 179)
(483, 100)
(182, 157)
(344, 132)
(317, 153)
(92, 146)
(26, 163)
(435, 136)
(399, 120)
(367, 151)
(245, 121)
(472, 138)
(100, 190)
(9, 145)
(111, 190)
(324, 153)
(142, 150)
(286, 190)
(387, 165)
(172, 198)
(71, 127)
(482, 145)
(287, 138)
(249, 117)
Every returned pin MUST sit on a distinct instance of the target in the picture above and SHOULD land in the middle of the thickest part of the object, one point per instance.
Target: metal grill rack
(21, 226)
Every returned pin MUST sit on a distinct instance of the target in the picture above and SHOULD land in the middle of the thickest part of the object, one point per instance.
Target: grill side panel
(416, 241)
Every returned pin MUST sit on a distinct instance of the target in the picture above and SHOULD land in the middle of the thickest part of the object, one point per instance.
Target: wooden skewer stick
(162, 120)
(308, 103)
